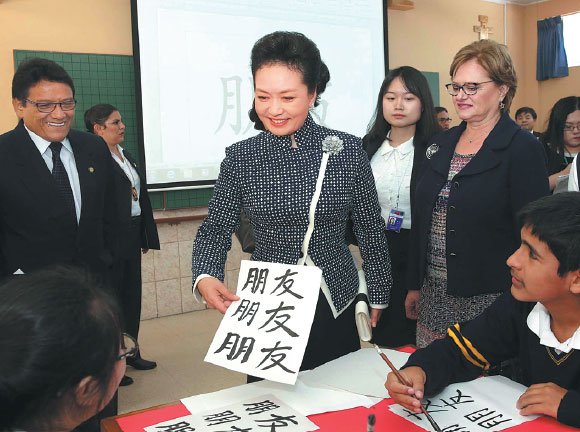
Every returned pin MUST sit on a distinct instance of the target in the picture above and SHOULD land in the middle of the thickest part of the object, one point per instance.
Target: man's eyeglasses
(445, 120)
(469, 88)
(570, 127)
(48, 107)
(129, 347)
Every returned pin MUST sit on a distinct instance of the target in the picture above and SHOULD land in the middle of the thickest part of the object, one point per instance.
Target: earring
(501, 105)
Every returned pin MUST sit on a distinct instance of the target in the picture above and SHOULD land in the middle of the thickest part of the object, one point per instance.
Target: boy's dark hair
(416, 83)
(57, 327)
(98, 114)
(440, 110)
(555, 220)
(298, 53)
(33, 70)
(526, 110)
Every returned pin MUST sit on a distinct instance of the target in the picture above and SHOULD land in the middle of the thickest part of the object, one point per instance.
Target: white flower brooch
(332, 145)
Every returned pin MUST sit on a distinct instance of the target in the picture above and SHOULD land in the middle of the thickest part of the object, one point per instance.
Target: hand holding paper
(216, 294)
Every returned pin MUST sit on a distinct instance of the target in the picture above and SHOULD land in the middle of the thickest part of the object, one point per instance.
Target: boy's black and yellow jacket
(501, 333)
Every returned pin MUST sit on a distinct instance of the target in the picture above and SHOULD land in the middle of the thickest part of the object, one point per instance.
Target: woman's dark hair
(57, 327)
(98, 114)
(563, 236)
(298, 53)
(416, 83)
(33, 70)
(554, 135)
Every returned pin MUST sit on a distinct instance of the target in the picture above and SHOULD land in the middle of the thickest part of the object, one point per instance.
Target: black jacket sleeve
(471, 348)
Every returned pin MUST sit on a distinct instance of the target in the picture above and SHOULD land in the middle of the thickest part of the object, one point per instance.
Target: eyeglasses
(570, 127)
(469, 88)
(48, 107)
(129, 347)
(445, 120)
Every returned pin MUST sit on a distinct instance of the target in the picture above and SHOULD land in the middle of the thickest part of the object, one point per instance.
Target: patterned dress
(437, 309)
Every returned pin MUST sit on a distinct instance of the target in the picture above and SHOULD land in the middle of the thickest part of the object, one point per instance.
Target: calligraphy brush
(402, 379)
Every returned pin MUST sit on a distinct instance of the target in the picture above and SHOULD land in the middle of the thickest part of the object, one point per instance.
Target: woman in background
(136, 230)
(273, 177)
(62, 354)
(562, 137)
(403, 124)
(471, 186)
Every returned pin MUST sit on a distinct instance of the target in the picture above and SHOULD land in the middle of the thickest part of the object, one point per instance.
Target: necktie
(62, 181)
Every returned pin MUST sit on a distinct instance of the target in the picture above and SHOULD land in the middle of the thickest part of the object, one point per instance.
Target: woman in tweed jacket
(272, 176)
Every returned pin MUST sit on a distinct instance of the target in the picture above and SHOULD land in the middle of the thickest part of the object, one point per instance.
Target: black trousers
(394, 329)
(329, 338)
(127, 277)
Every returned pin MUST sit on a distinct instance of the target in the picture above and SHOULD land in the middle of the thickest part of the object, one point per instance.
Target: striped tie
(61, 177)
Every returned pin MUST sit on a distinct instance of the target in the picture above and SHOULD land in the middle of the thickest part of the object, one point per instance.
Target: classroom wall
(87, 26)
(428, 36)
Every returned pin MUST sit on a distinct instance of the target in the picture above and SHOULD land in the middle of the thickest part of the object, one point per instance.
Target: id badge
(395, 220)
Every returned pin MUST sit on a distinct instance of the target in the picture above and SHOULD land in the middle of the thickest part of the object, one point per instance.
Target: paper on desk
(487, 403)
(262, 411)
(363, 372)
(304, 399)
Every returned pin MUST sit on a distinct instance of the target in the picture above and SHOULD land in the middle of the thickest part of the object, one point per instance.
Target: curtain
(552, 61)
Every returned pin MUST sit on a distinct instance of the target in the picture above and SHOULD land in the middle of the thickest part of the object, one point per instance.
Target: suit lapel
(34, 173)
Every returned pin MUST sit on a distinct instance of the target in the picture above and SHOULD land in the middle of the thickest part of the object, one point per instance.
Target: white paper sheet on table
(481, 403)
(363, 372)
(262, 411)
(303, 398)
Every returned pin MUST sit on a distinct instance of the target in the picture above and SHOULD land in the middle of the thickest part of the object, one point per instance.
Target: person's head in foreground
(526, 118)
(289, 77)
(62, 353)
(538, 322)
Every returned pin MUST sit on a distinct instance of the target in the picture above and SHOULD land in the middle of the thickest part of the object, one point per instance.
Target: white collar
(539, 322)
(42, 144)
(404, 148)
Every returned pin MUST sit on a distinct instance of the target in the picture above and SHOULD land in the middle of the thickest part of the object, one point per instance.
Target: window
(571, 38)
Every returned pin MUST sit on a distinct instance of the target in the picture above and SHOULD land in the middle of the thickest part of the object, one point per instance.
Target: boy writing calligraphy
(537, 321)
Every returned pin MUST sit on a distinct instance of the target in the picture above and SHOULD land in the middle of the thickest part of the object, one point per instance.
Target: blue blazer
(508, 172)
(274, 183)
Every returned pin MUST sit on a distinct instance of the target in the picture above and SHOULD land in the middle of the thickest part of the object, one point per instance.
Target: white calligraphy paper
(266, 331)
(485, 404)
(363, 372)
(265, 413)
(303, 398)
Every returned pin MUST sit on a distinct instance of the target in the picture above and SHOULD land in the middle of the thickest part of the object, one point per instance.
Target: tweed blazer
(482, 227)
(274, 183)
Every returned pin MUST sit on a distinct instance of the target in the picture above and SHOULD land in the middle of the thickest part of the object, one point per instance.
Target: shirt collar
(404, 149)
(42, 144)
(539, 322)
(302, 136)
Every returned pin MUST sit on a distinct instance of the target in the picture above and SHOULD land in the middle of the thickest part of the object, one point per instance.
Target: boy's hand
(403, 394)
(541, 399)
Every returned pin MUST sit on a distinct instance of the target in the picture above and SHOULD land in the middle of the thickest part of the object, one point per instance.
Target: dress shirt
(539, 322)
(392, 168)
(133, 177)
(573, 178)
(67, 158)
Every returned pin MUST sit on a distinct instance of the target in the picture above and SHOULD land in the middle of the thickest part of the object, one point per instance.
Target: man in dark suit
(56, 185)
